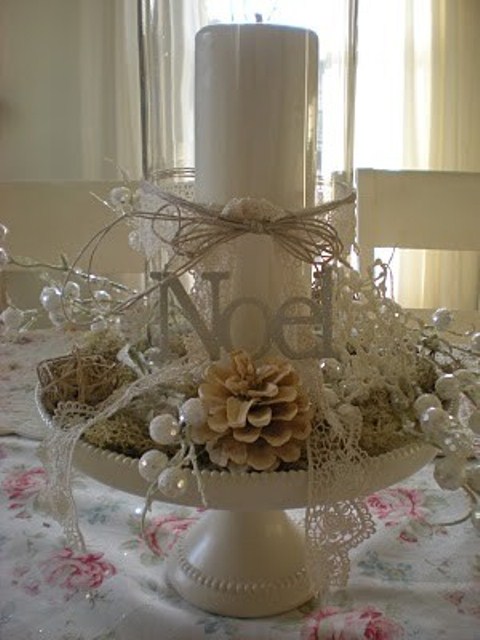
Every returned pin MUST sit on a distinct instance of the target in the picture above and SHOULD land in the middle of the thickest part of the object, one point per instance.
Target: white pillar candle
(255, 136)
(256, 113)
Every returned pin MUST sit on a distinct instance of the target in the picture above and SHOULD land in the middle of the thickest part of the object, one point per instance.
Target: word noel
(316, 321)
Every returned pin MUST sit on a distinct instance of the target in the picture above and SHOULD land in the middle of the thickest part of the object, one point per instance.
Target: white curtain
(455, 137)
(108, 75)
(418, 102)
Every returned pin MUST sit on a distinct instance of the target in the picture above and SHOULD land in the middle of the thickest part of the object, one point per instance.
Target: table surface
(411, 579)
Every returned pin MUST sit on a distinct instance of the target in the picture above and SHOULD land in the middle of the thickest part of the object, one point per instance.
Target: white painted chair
(48, 219)
(416, 210)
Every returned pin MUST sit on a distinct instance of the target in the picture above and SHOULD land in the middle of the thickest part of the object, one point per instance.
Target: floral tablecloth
(411, 579)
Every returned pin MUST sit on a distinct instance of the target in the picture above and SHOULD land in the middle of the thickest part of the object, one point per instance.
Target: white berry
(426, 401)
(193, 413)
(12, 318)
(164, 429)
(151, 463)
(173, 482)
(442, 319)
(449, 473)
(447, 387)
(51, 298)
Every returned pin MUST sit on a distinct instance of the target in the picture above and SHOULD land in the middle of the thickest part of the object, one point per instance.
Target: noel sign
(298, 312)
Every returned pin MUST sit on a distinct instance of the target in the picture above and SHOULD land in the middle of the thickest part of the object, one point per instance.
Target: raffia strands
(85, 378)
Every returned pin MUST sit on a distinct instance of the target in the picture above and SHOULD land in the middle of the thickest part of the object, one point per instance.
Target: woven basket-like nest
(83, 377)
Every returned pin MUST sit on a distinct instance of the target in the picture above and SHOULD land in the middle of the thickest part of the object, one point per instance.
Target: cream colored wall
(40, 93)
(69, 91)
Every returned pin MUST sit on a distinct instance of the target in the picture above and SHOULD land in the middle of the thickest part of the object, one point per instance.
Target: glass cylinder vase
(167, 40)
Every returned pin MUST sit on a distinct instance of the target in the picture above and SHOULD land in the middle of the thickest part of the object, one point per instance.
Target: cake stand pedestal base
(245, 564)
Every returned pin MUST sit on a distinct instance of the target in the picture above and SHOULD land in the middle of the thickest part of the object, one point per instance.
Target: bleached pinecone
(257, 416)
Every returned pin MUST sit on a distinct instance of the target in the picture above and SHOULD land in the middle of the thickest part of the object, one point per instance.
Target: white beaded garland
(434, 419)
(447, 387)
(12, 318)
(51, 298)
(193, 413)
(458, 442)
(151, 464)
(173, 482)
(71, 289)
(466, 378)
(164, 429)
(449, 473)
(424, 402)
(120, 196)
(442, 318)
(100, 282)
(102, 298)
(331, 369)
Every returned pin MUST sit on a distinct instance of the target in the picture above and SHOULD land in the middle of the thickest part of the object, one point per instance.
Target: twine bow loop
(304, 234)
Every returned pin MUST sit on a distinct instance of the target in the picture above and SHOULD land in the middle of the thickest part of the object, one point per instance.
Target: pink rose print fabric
(331, 623)
(466, 602)
(65, 571)
(411, 512)
(162, 532)
(71, 571)
(23, 486)
(394, 505)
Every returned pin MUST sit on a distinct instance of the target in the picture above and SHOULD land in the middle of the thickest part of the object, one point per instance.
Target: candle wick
(258, 18)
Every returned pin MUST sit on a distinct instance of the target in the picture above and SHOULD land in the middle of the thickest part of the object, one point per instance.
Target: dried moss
(382, 428)
(123, 434)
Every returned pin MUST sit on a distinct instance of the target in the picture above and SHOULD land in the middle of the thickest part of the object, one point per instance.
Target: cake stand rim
(287, 489)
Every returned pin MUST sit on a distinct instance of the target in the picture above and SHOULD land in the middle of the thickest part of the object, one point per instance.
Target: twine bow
(199, 228)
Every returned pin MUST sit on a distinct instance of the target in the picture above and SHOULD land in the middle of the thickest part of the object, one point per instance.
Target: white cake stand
(245, 557)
